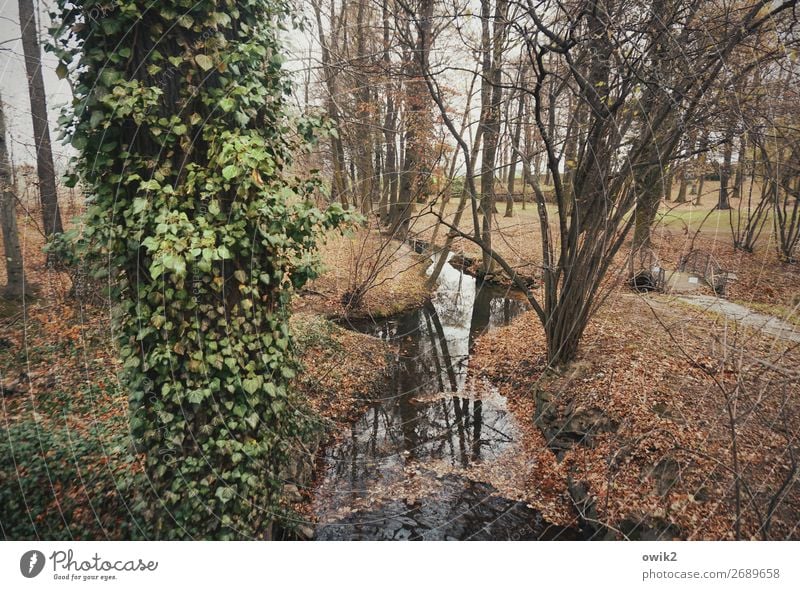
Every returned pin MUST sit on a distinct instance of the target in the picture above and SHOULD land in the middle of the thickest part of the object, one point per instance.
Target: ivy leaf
(204, 61)
(251, 385)
(196, 396)
(229, 172)
(150, 185)
(225, 494)
(79, 142)
(96, 118)
(139, 204)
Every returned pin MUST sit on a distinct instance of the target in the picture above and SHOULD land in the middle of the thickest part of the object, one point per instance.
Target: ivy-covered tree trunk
(182, 134)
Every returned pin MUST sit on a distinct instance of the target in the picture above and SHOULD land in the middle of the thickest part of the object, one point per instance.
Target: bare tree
(515, 147)
(15, 273)
(415, 173)
(48, 196)
(723, 204)
(339, 187)
(493, 37)
(750, 216)
(658, 61)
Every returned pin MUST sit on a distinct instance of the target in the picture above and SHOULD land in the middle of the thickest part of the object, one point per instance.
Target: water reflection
(428, 416)
(462, 510)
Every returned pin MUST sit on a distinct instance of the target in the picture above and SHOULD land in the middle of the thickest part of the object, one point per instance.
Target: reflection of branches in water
(432, 359)
(434, 348)
(440, 337)
(448, 428)
(477, 420)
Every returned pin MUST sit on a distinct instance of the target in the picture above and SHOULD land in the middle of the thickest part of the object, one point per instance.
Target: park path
(768, 324)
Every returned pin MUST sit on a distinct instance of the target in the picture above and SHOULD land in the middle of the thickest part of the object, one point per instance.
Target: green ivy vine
(180, 121)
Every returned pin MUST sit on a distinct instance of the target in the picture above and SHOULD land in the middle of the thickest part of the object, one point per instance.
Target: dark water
(396, 474)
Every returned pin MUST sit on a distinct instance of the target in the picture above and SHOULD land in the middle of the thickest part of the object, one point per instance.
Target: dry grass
(393, 274)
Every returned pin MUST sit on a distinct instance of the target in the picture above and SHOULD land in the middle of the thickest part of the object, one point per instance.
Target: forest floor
(64, 442)
(641, 424)
(645, 438)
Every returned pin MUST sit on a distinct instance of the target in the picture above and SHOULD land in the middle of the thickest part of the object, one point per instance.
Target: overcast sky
(14, 89)
(13, 84)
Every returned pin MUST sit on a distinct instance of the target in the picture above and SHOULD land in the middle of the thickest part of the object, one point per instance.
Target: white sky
(14, 88)
(14, 91)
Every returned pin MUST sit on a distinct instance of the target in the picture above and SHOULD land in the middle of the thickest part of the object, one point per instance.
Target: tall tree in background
(723, 202)
(365, 112)
(184, 144)
(415, 173)
(48, 196)
(493, 38)
(390, 183)
(515, 147)
(339, 184)
(15, 272)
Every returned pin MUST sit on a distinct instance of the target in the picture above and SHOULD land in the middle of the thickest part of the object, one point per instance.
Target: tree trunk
(683, 170)
(650, 184)
(364, 144)
(529, 168)
(51, 216)
(413, 179)
(339, 185)
(389, 194)
(551, 117)
(667, 184)
(725, 172)
(15, 273)
(700, 185)
(646, 210)
(571, 151)
(700, 170)
(738, 182)
(512, 169)
(682, 187)
(491, 100)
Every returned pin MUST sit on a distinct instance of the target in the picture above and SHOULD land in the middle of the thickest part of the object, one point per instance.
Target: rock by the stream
(635, 527)
(564, 428)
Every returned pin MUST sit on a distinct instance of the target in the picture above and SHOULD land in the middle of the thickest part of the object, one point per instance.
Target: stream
(400, 471)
